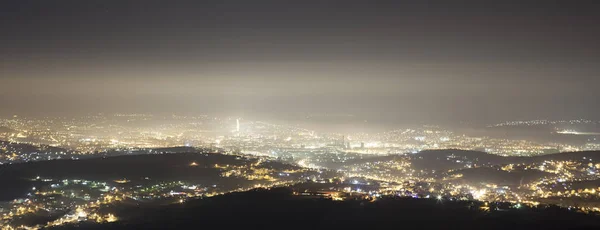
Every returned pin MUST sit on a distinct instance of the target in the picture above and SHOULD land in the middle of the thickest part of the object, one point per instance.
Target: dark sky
(399, 61)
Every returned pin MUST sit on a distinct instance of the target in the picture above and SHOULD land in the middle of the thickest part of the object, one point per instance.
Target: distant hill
(24, 149)
(477, 156)
(499, 177)
(15, 178)
(278, 209)
(452, 159)
(428, 158)
(112, 168)
(439, 161)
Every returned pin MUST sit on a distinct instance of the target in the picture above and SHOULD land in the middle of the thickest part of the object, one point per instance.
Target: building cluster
(349, 165)
(100, 133)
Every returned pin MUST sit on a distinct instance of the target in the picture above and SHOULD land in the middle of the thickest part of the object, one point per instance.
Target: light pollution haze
(387, 61)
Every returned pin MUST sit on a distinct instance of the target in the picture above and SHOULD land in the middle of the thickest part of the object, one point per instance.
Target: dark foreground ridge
(280, 209)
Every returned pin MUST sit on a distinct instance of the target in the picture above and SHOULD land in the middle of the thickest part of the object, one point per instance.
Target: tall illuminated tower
(237, 126)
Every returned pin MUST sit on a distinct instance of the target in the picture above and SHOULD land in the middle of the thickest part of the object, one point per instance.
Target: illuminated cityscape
(424, 162)
(101, 133)
(301, 115)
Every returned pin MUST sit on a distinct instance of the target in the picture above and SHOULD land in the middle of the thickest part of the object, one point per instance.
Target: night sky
(392, 61)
